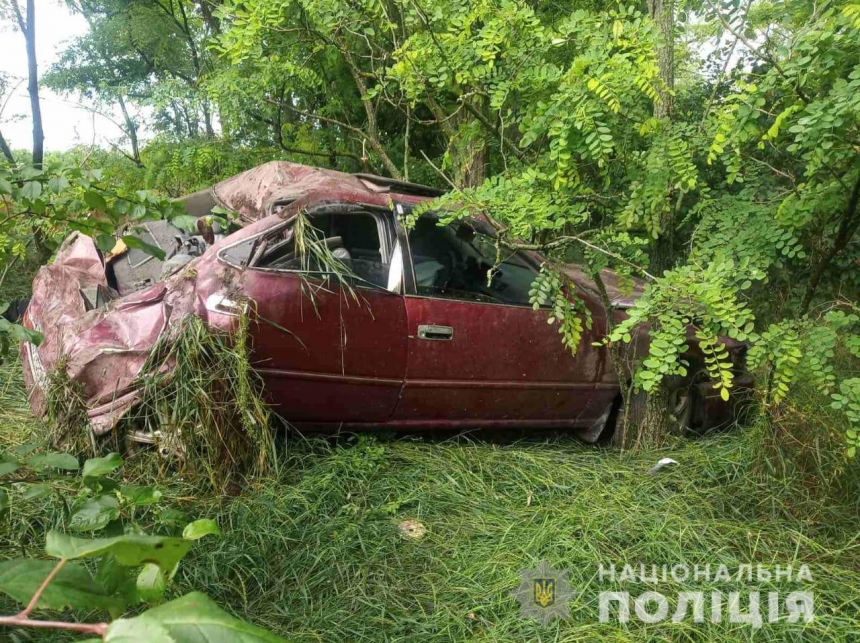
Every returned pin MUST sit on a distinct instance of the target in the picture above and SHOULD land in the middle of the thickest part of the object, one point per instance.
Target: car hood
(103, 348)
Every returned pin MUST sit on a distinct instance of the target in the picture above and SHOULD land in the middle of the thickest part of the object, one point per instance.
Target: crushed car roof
(256, 193)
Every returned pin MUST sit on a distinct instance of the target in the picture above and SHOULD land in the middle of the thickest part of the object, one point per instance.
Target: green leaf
(105, 242)
(138, 630)
(23, 334)
(36, 491)
(130, 550)
(24, 449)
(185, 222)
(95, 467)
(151, 583)
(95, 200)
(31, 190)
(200, 528)
(57, 184)
(72, 587)
(141, 496)
(65, 461)
(8, 464)
(95, 513)
(4, 500)
(192, 618)
(139, 244)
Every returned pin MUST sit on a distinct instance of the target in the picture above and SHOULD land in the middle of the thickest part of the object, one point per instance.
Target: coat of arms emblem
(544, 593)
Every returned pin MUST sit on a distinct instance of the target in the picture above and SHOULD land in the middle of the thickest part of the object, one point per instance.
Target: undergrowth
(66, 423)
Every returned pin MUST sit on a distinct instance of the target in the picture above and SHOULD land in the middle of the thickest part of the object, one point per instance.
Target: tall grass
(317, 554)
(199, 392)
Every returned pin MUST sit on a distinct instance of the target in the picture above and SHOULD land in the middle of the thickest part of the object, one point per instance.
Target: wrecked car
(416, 338)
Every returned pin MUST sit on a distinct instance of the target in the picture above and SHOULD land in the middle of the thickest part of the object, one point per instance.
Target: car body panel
(501, 363)
(351, 357)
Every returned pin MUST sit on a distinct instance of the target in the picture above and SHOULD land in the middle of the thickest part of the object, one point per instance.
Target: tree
(27, 25)
(4, 146)
(96, 67)
(145, 53)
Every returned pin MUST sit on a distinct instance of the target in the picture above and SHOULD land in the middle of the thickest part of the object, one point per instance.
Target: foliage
(687, 306)
(130, 568)
(549, 290)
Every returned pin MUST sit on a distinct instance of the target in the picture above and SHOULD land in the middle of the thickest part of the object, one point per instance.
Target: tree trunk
(28, 29)
(468, 152)
(663, 14)
(131, 130)
(209, 18)
(207, 120)
(847, 228)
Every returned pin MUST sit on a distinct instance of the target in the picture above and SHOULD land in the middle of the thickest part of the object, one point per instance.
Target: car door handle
(429, 331)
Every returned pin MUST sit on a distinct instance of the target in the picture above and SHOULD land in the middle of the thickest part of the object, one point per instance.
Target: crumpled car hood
(103, 349)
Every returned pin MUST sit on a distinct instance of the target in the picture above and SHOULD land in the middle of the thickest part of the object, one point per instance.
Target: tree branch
(97, 629)
(4, 147)
(22, 619)
(762, 55)
(847, 227)
(35, 600)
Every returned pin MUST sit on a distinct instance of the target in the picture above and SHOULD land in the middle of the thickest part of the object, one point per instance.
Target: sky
(65, 120)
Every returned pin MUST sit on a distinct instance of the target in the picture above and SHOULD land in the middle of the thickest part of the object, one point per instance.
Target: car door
(329, 349)
(478, 352)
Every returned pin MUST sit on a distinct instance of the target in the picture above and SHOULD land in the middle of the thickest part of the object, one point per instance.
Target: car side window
(348, 243)
(453, 262)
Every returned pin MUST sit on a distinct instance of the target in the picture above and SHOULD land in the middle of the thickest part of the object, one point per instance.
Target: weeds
(66, 421)
(200, 395)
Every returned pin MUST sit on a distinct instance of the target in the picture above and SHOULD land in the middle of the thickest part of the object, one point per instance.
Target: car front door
(329, 346)
(478, 352)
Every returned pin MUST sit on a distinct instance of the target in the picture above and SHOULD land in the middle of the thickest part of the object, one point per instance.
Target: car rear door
(479, 353)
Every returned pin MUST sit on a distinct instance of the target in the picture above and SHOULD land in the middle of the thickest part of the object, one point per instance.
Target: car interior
(352, 240)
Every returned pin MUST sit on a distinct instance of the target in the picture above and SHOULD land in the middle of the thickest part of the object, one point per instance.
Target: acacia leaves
(551, 290)
(686, 300)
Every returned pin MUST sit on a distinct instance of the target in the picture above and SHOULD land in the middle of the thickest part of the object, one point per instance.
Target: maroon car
(415, 338)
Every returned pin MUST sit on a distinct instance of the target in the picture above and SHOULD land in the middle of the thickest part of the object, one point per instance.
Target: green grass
(316, 554)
